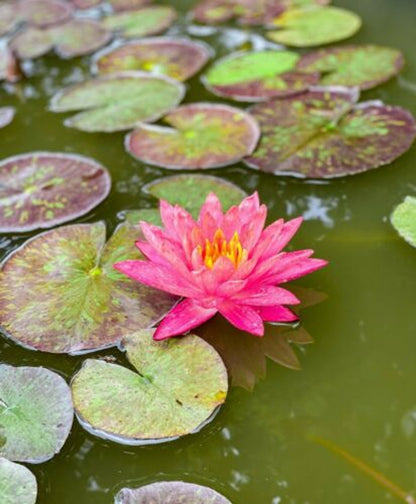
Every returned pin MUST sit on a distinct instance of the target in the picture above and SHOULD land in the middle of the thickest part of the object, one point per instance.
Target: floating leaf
(119, 102)
(203, 135)
(9, 66)
(323, 134)
(8, 17)
(42, 13)
(36, 413)
(151, 215)
(6, 117)
(17, 484)
(165, 492)
(121, 5)
(314, 26)
(60, 293)
(177, 387)
(41, 190)
(175, 57)
(85, 4)
(142, 22)
(404, 220)
(365, 66)
(257, 76)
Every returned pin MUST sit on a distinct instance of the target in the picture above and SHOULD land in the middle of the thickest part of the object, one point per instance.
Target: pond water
(355, 388)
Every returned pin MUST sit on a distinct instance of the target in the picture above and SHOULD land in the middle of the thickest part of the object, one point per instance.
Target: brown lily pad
(6, 116)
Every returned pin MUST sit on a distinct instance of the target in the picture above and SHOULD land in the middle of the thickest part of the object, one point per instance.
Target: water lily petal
(266, 296)
(282, 238)
(276, 314)
(210, 216)
(243, 317)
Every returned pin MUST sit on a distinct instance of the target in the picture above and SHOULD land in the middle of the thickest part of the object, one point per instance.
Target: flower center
(219, 247)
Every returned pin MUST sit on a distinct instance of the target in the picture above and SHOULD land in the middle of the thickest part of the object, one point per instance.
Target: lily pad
(43, 13)
(314, 26)
(17, 484)
(42, 190)
(6, 117)
(59, 292)
(324, 134)
(36, 413)
(404, 220)
(9, 12)
(141, 23)
(119, 102)
(176, 388)
(150, 215)
(365, 66)
(122, 5)
(170, 492)
(178, 58)
(258, 76)
(203, 135)
(86, 4)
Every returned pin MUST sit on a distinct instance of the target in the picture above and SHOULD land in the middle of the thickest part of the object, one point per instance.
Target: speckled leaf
(60, 293)
(203, 135)
(178, 385)
(257, 76)
(151, 215)
(31, 43)
(6, 117)
(36, 413)
(142, 22)
(17, 484)
(365, 66)
(119, 102)
(314, 26)
(9, 16)
(170, 492)
(41, 190)
(42, 13)
(313, 136)
(175, 57)
(122, 5)
(404, 219)
(9, 66)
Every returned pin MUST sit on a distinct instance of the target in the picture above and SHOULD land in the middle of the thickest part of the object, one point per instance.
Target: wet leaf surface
(17, 484)
(6, 116)
(404, 220)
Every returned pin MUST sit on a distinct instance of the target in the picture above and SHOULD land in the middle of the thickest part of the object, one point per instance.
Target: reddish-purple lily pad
(59, 292)
(17, 483)
(323, 134)
(178, 58)
(41, 190)
(9, 66)
(6, 117)
(170, 492)
(202, 135)
(43, 13)
(125, 5)
(258, 76)
(365, 66)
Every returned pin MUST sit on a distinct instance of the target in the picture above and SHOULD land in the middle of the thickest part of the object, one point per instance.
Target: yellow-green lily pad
(404, 220)
(17, 484)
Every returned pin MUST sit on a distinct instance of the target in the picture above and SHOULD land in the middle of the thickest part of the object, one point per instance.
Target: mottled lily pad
(141, 23)
(17, 484)
(36, 413)
(365, 66)
(9, 14)
(202, 135)
(404, 220)
(178, 386)
(257, 76)
(314, 26)
(41, 190)
(42, 13)
(170, 492)
(175, 57)
(59, 292)
(122, 5)
(150, 215)
(6, 117)
(119, 102)
(323, 134)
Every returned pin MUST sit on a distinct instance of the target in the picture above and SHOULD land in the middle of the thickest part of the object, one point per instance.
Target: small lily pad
(175, 57)
(141, 23)
(258, 76)
(365, 66)
(314, 26)
(178, 385)
(36, 413)
(404, 220)
(17, 484)
(119, 102)
(323, 134)
(42, 13)
(172, 492)
(203, 135)
(122, 5)
(6, 117)
(42, 190)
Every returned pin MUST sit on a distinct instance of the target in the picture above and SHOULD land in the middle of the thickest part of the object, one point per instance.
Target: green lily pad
(365, 66)
(59, 292)
(178, 58)
(314, 26)
(177, 386)
(165, 492)
(141, 23)
(6, 117)
(17, 484)
(258, 76)
(150, 215)
(42, 190)
(203, 135)
(324, 134)
(404, 220)
(36, 413)
(118, 102)
(42, 13)
(122, 5)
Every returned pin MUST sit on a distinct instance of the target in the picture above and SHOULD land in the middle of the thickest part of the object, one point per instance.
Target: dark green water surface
(357, 385)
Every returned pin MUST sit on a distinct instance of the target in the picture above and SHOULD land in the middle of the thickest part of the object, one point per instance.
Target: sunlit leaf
(404, 219)
(17, 484)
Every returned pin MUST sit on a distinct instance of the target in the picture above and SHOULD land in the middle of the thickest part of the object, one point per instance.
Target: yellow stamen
(211, 251)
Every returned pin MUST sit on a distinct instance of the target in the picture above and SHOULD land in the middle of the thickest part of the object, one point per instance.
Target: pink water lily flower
(227, 263)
